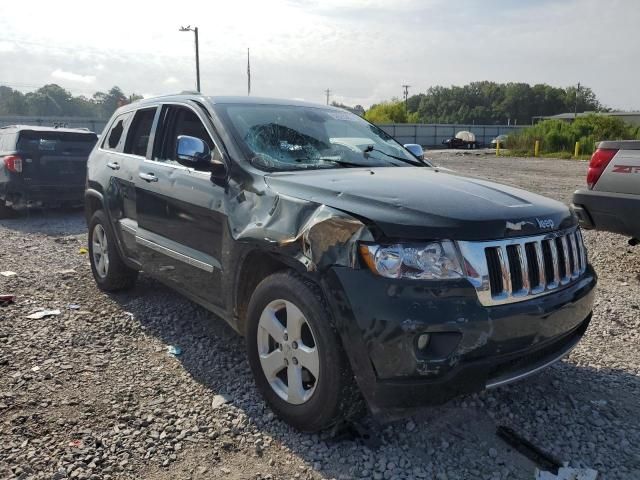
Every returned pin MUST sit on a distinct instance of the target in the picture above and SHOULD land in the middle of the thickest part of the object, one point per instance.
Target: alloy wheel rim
(288, 352)
(100, 250)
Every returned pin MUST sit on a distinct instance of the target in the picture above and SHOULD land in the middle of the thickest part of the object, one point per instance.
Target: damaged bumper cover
(470, 347)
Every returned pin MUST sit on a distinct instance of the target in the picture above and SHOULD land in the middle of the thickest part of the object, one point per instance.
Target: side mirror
(195, 153)
(415, 149)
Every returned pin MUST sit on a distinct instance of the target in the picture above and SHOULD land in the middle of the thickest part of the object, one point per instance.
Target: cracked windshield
(283, 137)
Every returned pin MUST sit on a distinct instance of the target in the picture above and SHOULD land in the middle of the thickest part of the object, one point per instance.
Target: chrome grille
(517, 269)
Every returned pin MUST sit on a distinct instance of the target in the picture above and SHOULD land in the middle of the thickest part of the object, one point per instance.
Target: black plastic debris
(543, 459)
(6, 299)
(355, 432)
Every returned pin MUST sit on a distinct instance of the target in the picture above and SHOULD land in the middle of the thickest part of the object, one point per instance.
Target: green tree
(587, 101)
(109, 102)
(12, 102)
(387, 112)
(494, 103)
(50, 100)
(53, 100)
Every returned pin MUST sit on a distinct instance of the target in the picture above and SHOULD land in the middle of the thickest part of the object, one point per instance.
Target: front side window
(139, 132)
(179, 121)
(286, 137)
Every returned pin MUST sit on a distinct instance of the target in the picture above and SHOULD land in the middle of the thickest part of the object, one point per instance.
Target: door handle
(113, 165)
(149, 177)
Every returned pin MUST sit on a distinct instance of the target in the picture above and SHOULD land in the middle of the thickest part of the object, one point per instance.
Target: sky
(362, 50)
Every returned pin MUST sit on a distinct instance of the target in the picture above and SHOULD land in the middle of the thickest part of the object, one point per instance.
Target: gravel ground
(94, 393)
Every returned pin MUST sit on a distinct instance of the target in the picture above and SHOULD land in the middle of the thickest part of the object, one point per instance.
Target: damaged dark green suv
(355, 269)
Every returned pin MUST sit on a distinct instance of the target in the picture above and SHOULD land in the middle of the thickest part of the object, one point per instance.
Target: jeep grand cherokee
(354, 269)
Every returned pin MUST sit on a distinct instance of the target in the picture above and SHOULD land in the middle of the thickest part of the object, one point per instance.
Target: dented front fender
(316, 235)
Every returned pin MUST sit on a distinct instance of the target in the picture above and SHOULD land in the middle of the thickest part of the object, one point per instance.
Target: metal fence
(432, 135)
(93, 124)
(428, 135)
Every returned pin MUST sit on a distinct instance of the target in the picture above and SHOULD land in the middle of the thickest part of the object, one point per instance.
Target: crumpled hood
(423, 203)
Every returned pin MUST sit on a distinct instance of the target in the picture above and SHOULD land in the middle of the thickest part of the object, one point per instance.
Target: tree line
(485, 102)
(54, 101)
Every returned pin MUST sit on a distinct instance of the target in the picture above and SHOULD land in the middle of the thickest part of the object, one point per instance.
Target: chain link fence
(432, 135)
(427, 135)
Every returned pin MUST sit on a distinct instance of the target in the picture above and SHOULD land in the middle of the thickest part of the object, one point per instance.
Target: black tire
(118, 275)
(336, 396)
(6, 212)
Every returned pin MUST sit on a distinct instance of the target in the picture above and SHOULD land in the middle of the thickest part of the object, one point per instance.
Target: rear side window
(56, 143)
(114, 139)
(139, 132)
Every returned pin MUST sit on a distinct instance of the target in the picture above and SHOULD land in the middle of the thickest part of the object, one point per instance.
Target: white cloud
(7, 46)
(363, 50)
(73, 77)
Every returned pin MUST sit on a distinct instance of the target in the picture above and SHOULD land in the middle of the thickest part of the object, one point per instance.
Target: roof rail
(190, 92)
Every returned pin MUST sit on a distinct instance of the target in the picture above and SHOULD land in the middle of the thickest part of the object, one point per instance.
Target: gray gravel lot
(93, 392)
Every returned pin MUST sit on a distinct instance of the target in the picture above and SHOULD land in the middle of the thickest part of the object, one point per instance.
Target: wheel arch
(255, 266)
(93, 201)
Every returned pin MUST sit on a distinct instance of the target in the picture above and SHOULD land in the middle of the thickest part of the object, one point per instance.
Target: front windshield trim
(283, 137)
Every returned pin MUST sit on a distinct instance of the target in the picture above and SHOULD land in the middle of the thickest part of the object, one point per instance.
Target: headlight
(431, 261)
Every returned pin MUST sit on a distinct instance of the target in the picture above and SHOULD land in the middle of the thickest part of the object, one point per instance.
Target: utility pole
(327, 92)
(575, 108)
(195, 31)
(405, 89)
(248, 75)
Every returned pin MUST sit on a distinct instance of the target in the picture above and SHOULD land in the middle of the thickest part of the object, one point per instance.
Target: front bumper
(476, 347)
(612, 212)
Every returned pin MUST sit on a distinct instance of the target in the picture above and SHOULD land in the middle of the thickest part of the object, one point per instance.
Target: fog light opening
(423, 341)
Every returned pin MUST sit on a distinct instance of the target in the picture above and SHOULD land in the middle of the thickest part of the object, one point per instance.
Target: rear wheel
(296, 356)
(109, 271)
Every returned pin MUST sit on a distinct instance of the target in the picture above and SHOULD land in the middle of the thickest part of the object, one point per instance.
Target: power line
(405, 89)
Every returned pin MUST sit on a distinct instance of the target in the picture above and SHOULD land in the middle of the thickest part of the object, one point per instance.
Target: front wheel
(109, 271)
(296, 356)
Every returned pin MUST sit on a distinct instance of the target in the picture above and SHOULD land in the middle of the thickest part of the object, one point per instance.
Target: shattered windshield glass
(287, 137)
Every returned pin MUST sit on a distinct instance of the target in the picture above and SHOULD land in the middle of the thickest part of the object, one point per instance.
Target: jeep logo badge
(545, 223)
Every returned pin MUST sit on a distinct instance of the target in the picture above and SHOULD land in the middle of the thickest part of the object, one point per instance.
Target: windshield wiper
(338, 161)
(371, 148)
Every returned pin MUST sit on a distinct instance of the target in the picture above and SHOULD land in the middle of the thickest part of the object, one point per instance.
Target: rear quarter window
(114, 138)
